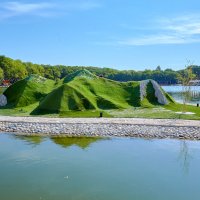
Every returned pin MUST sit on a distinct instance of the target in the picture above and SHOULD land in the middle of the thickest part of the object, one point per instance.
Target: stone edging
(101, 129)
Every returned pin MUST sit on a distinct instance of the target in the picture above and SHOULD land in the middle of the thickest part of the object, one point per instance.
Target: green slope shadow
(28, 91)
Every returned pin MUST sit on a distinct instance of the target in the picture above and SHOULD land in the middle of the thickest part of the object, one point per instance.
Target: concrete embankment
(120, 127)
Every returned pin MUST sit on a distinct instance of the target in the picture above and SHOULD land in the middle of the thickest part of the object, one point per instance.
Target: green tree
(13, 69)
(158, 68)
(1, 74)
(185, 76)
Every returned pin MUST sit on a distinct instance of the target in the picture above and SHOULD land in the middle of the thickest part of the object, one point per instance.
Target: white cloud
(187, 25)
(18, 7)
(179, 30)
(158, 39)
(12, 9)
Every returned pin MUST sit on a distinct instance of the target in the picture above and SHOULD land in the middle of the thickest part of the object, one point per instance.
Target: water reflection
(31, 140)
(177, 93)
(63, 141)
(114, 169)
(184, 156)
(194, 98)
(82, 142)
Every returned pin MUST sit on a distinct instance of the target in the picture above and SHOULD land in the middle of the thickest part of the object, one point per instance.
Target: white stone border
(180, 129)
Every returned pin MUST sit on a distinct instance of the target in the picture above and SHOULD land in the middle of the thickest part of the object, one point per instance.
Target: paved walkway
(131, 121)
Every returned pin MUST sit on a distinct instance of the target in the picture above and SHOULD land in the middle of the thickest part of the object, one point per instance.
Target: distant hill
(14, 70)
(82, 90)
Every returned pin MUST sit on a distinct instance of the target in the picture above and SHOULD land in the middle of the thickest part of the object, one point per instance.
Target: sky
(120, 34)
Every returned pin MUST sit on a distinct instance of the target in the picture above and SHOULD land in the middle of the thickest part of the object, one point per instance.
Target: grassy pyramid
(28, 91)
(62, 99)
(80, 73)
(79, 91)
(84, 91)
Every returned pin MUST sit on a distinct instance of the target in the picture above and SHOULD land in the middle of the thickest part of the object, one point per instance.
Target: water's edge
(107, 129)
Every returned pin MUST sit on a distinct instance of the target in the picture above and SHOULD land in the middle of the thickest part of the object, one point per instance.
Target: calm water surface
(98, 169)
(176, 92)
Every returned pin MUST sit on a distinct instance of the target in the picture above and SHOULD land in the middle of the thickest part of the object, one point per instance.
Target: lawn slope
(81, 92)
(28, 91)
(84, 91)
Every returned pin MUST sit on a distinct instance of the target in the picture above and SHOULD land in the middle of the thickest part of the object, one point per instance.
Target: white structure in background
(3, 100)
(194, 82)
(143, 88)
(158, 91)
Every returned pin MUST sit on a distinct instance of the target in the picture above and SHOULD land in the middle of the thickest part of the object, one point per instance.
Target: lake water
(176, 93)
(98, 169)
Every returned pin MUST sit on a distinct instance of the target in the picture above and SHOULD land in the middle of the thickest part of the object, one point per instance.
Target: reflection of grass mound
(32, 140)
(28, 91)
(82, 142)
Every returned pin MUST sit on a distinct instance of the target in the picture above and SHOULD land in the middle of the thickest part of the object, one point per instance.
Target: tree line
(14, 70)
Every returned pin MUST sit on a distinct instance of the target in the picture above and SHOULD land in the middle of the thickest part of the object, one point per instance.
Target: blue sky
(121, 34)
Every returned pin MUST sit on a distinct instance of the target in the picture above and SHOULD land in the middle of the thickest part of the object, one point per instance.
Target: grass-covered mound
(81, 91)
(80, 73)
(151, 100)
(64, 98)
(28, 91)
(86, 91)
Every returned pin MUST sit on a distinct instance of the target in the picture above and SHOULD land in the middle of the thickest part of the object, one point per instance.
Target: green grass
(18, 111)
(27, 110)
(79, 91)
(158, 112)
(177, 107)
(2, 89)
(107, 94)
(28, 91)
(85, 114)
(79, 73)
(150, 100)
(83, 94)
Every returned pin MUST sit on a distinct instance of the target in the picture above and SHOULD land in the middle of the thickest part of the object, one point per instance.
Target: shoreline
(102, 127)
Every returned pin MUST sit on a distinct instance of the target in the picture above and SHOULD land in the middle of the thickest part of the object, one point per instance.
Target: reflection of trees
(184, 156)
(82, 142)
